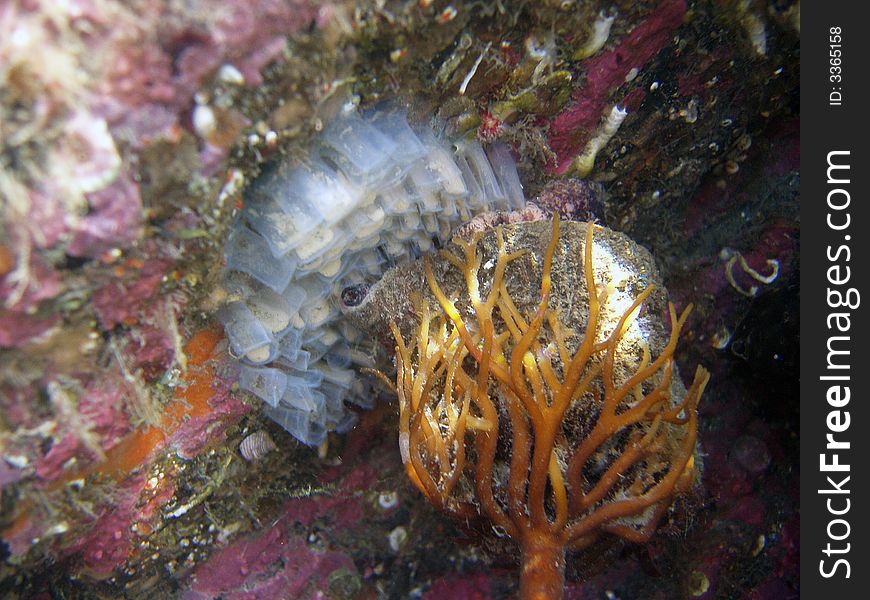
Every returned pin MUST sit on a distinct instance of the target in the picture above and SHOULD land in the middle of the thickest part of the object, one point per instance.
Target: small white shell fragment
(397, 538)
(204, 121)
(230, 74)
(388, 500)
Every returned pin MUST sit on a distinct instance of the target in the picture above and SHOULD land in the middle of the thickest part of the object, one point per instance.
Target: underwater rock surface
(122, 170)
(620, 265)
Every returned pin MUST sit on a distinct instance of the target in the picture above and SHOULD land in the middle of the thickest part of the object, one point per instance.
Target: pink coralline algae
(93, 436)
(274, 565)
(279, 563)
(751, 452)
(135, 298)
(90, 118)
(15, 330)
(139, 290)
(105, 538)
(201, 431)
(118, 440)
(490, 220)
(285, 559)
(66, 155)
(151, 351)
(110, 539)
(47, 215)
(165, 55)
(114, 220)
(22, 290)
(472, 587)
(90, 428)
(573, 199)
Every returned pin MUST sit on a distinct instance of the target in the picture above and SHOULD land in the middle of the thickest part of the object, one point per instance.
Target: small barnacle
(698, 583)
(690, 113)
(388, 500)
(18, 461)
(57, 529)
(721, 338)
(539, 50)
(88, 138)
(219, 126)
(397, 538)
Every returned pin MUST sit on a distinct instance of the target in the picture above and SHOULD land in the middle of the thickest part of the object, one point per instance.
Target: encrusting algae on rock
(543, 400)
(125, 169)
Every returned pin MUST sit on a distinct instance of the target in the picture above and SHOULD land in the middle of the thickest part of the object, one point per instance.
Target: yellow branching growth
(490, 389)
